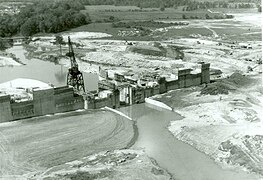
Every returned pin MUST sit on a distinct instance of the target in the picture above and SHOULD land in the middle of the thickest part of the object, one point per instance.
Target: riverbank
(227, 127)
(178, 158)
(9, 59)
(115, 165)
(200, 41)
(99, 147)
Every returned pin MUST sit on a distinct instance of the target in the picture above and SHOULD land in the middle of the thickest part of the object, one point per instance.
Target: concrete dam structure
(122, 90)
(113, 92)
(45, 101)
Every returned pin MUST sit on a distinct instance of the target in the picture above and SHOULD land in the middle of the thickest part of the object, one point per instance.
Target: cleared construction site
(115, 89)
(114, 100)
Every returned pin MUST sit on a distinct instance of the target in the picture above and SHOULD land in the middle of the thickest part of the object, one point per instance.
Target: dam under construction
(183, 102)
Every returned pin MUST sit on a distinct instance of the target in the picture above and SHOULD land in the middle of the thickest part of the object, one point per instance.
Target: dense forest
(44, 16)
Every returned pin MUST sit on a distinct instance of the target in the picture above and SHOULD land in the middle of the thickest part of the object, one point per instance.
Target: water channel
(44, 71)
(180, 159)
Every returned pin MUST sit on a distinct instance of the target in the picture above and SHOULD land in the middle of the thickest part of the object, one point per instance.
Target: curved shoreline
(134, 140)
(135, 136)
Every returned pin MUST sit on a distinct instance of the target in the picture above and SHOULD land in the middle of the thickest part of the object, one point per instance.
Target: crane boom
(74, 77)
(71, 54)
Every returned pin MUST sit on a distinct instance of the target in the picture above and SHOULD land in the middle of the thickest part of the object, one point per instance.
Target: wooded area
(56, 16)
(46, 17)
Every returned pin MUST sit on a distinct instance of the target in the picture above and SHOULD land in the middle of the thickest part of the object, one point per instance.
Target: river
(180, 159)
(44, 71)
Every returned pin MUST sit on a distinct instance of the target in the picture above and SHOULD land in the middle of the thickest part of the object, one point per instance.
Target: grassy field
(103, 16)
(107, 28)
(100, 13)
(40, 143)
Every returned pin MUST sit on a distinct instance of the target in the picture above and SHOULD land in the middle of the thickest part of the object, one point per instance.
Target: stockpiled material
(239, 79)
(223, 86)
(146, 50)
(215, 88)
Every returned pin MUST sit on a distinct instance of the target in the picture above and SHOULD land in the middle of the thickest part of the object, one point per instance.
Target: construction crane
(74, 77)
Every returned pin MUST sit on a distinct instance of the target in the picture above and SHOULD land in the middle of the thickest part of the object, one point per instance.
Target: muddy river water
(41, 70)
(180, 159)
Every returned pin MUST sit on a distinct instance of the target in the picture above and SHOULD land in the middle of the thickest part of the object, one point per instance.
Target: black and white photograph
(131, 90)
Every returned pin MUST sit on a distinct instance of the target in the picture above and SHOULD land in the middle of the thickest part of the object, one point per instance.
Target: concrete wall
(63, 91)
(106, 85)
(205, 71)
(90, 104)
(138, 95)
(156, 90)
(103, 73)
(186, 79)
(65, 100)
(113, 101)
(133, 95)
(183, 75)
(5, 109)
(100, 103)
(22, 110)
(148, 92)
(69, 104)
(44, 101)
(171, 85)
(119, 77)
(116, 98)
(130, 95)
(195, 79)
(162, 85)
(124, 95)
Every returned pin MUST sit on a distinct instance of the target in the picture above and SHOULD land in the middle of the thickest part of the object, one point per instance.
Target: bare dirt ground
(115, 165)
(224, 119)
(219, 42)
(7, 59)
(34, 145)
(226, 125)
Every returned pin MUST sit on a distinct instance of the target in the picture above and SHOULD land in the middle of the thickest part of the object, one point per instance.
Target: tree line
(189, 4)
(207, 5)
(44, 16)
(138, 3)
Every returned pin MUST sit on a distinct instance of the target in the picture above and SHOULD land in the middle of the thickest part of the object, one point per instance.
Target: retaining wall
(22, 110)
(5, 109)
(45, 101)
(65, 100)
(113, 101)
(138, 95)
(205, 71)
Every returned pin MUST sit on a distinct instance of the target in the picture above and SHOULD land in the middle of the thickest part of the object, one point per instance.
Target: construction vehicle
(74, 77)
